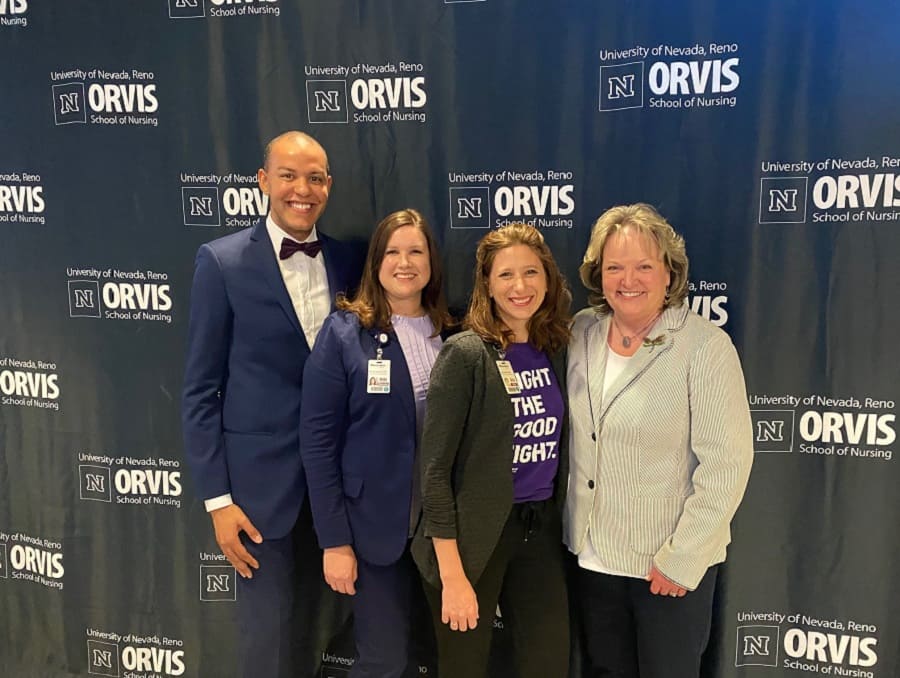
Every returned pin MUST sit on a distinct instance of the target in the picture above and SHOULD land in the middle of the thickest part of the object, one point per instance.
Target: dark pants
(382, 608)
(630, 633)
(526, 576)
(276, 640)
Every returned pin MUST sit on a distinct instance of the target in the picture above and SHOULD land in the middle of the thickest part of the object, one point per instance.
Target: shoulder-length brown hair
(644, 219)
(548, 328)
(370, 303)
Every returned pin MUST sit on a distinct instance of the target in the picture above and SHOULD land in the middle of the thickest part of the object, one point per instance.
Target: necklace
(626, 340)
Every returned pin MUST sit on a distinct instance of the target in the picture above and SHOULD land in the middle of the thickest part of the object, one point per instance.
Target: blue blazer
(358, 448)
(244, 374)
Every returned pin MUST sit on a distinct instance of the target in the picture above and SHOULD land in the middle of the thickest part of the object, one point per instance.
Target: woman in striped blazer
(660, 452)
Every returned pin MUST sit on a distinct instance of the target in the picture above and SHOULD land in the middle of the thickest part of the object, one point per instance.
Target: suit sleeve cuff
(217, 502)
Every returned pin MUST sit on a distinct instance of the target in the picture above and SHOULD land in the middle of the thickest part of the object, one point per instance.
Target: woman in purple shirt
(494, 466)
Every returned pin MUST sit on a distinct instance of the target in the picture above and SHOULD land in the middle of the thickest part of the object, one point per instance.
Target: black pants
(629, 632)
(526, 576)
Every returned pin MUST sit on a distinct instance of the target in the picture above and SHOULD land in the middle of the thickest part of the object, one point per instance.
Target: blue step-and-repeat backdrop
(131, 132)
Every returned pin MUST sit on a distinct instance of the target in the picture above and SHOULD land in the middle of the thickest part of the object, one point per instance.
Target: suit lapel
(332, 268)
(264, 258)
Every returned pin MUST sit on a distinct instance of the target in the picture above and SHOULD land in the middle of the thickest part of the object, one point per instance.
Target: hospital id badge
(379, 378)
(508, 377)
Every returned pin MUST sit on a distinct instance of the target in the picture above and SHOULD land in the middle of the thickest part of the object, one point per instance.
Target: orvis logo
(681, 77)
(757, 646)
(186, 9)
(782, 200)
(116, 300)
(541, 198)
(236, 206)
(109, 103)
(367, 93)
(108, 659)
(773, 430)
(217, 583)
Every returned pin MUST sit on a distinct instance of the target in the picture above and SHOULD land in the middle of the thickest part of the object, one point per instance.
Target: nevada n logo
(68, 103)
(470, 207)
(217, 583)
(327, 101)
(186, 9)
(84, 299)
(757, 646)
(773, 430)
(95, 482)
(200, 205)
(103, 658)
(782, 200)
(622, 86)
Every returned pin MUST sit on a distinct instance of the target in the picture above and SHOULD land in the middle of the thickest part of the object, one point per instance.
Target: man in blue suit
(258, 300)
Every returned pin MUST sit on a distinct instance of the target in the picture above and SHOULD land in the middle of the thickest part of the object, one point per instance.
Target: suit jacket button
(590, 484)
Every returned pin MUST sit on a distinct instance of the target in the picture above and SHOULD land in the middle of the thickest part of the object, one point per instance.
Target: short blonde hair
(645, 220)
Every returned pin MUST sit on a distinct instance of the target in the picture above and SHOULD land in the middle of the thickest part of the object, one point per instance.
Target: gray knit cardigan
(467, 455)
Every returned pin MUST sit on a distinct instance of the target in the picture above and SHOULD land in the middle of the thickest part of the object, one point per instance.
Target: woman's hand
(339, 567)
(661, 586)
(459, 606)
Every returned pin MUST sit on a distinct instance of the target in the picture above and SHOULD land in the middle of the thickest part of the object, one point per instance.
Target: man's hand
(661, 586)
(228, 522)
(339, 566)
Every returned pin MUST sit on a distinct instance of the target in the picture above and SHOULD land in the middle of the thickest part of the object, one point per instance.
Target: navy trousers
(276, 640)
(382, 607)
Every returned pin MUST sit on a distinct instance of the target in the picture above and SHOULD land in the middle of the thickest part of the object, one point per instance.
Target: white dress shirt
(306, 282)
(307, 285)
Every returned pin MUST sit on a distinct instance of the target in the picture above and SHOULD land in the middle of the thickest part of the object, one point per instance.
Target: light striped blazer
(673, 447)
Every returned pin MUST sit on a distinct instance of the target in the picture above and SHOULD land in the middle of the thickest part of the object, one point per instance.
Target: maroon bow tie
(289, 247)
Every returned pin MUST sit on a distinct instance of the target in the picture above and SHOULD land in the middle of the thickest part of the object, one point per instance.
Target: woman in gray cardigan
(494, 466)
(661, 447)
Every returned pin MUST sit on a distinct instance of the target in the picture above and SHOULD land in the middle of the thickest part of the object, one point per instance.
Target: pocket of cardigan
(652, 521)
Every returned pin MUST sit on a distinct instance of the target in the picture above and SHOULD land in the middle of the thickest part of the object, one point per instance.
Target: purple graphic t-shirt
(538, 422)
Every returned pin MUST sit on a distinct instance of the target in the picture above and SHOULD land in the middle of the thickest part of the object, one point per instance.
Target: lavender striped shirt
(420, 350)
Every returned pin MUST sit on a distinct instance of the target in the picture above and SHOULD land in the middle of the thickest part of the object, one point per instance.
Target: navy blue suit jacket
(358, 448)
(244, 375)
